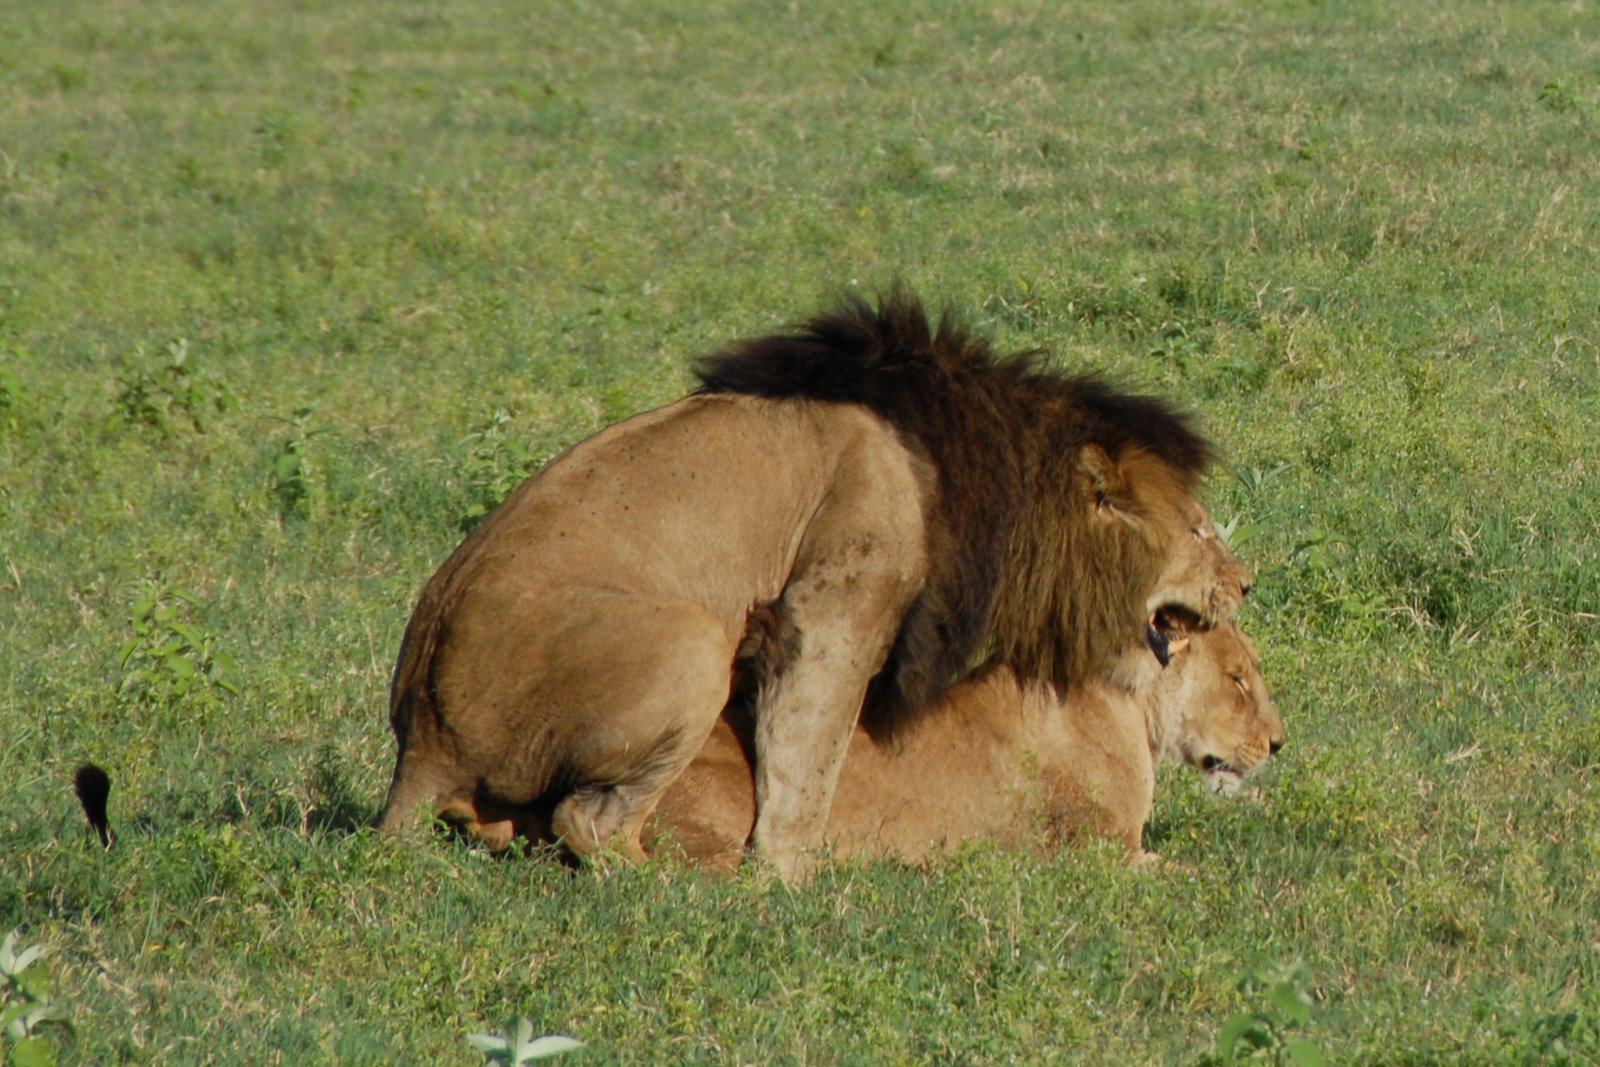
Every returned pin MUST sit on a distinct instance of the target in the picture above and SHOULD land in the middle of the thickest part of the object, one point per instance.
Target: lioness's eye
(1238, 680)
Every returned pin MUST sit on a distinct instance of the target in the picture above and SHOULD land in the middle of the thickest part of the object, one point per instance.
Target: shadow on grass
(336, 807)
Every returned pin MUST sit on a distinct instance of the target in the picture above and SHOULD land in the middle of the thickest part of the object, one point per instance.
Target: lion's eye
(1239, 681)
(1199, 534)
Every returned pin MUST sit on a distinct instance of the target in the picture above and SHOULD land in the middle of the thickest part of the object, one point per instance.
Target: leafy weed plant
(293, 474)
(495, 463)
(1269, 1034)
(172, 655)
(26, 1006)
(173, 390)
(517, 1045)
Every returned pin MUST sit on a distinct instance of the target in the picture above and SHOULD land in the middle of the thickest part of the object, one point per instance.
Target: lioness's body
(602, 661)
(1003, 761)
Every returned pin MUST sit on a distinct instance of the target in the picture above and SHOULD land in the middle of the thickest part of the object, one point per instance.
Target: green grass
(416, 250)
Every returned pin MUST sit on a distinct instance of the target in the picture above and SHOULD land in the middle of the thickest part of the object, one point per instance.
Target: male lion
(892, 502)
(1001, 760)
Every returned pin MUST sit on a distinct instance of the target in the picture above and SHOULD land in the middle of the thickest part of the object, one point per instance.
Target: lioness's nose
(1275, 744)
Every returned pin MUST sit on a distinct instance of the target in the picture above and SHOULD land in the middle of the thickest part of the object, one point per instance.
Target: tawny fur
(1002, 761)
(570, 658)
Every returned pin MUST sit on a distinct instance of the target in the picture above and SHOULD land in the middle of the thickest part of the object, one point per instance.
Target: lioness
(1002, 760)
(896, 498)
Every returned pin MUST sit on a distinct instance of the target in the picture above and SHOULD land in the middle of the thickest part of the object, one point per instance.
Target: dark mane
(1004, 434)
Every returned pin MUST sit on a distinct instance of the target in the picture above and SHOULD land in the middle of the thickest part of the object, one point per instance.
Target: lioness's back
(993, 760)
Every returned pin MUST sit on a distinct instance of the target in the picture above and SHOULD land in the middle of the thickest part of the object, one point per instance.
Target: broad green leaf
(33, 1052)
(553, 1045)
(125, 653)
(35, 981)
(1291, 1004)
(488, 1044)
(1303, 1053)
(188, 632)
(40, 1013)
(1235, 1030)
(26, 958)
(1239, 536)
(11, 1017)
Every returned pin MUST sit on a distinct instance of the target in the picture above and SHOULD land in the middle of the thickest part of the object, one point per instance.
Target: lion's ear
(1107, 487)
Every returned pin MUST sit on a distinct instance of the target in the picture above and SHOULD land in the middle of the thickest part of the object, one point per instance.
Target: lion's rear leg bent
(594, 819)
(608, 816)
(635, 693)
(664, 691)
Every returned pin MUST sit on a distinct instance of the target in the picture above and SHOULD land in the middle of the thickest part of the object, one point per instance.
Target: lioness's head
(1210, 708)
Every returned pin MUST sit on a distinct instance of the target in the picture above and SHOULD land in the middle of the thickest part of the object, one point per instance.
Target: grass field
(290, 293)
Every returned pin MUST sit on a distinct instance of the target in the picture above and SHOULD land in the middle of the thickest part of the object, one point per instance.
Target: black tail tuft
(93, 787)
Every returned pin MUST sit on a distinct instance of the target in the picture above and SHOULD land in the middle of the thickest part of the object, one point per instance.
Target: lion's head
(1211, 709)
(1063, 508)
(1146, 521)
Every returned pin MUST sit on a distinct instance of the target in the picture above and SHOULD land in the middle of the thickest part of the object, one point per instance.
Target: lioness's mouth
(1168, 631)
(1221, 776)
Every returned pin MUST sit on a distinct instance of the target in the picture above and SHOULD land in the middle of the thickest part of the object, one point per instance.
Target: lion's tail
(93, 787)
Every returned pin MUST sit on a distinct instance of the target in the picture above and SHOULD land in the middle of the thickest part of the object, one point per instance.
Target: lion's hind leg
(665, 683)
(593, 819)
(431, 786)
(601, 816)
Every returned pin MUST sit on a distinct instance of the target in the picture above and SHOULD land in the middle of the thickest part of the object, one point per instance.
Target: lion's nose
(1275, 744)
(1244, 589)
